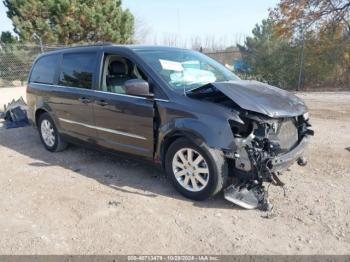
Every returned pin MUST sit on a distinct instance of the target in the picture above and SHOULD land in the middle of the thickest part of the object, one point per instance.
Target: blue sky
(231, 19)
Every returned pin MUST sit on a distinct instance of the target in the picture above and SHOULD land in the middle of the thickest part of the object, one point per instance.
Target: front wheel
(196, 172)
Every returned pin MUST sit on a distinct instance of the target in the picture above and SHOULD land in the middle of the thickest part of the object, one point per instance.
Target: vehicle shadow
(119, 172)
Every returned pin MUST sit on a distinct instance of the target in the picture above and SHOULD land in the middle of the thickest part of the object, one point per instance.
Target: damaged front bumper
(248, 192)
(283, 161)
(262, 156)
(270, 147)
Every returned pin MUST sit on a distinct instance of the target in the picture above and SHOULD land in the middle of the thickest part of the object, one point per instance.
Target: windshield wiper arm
(195, 88)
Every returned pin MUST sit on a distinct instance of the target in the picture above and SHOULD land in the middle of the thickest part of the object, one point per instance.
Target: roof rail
(91, 44)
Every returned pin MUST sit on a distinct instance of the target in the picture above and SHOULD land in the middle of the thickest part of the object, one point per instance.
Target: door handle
(84, 100)
(101, 102)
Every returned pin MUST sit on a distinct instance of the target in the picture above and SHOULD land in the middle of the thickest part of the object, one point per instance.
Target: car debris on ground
(15, 114)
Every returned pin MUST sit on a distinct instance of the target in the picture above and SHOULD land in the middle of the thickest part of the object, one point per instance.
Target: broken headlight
(240, 130)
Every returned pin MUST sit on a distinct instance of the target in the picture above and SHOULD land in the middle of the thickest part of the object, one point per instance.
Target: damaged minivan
(176, 107)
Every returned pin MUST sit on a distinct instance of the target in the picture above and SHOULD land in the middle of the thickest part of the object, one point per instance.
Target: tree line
(302, 44)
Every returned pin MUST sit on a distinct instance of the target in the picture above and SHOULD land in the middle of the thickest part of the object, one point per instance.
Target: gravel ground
(85, 202)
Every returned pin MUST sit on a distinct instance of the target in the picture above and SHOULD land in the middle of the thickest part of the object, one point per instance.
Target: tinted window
(77, 70)
(44, 70)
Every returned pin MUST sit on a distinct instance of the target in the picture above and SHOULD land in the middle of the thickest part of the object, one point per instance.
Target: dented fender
(209, 125)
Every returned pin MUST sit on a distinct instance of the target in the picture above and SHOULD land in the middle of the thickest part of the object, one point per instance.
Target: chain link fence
(16, 61)
(225, 57)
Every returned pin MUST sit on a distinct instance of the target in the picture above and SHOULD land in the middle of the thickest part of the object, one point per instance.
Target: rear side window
(44, 70)
(78, 69)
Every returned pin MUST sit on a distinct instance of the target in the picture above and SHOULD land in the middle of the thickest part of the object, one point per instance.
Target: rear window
(77, 70)
(44, 70)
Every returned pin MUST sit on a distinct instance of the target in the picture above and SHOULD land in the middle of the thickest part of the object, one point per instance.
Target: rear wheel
(196, 172)
(49, 135)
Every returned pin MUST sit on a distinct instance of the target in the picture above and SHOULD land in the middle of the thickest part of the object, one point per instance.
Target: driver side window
(116, 71)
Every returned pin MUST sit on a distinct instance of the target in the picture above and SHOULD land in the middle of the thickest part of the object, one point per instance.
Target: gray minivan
(176, 107)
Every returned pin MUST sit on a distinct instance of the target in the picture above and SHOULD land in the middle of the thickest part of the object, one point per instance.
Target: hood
(260, 98)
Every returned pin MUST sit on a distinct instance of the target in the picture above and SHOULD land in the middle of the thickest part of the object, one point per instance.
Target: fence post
(35, 36)
(301, 71)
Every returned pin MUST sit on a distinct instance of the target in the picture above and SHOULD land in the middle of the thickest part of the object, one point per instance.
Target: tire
(214, 162)
(52, 142)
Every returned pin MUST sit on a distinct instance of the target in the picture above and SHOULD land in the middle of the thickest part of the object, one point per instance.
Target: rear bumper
(283, 161)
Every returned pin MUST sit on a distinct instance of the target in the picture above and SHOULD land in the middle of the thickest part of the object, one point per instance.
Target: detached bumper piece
(251, 194)
(248, 197)
(15, 114)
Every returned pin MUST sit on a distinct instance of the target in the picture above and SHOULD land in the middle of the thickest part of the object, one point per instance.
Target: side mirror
(137, 87)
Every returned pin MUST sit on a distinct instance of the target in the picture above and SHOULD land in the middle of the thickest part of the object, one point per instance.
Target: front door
(123, 122)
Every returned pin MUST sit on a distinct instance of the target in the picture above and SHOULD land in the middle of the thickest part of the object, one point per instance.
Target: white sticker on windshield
(171, 65)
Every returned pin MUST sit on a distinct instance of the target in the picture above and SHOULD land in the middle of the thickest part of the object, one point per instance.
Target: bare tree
(142, 32)
(196, 43)
(314, 14)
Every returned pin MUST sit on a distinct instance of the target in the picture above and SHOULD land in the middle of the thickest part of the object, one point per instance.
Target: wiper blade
(195, 88)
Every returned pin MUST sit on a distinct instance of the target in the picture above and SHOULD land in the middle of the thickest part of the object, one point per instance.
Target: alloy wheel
(190, 169)
(47, 133)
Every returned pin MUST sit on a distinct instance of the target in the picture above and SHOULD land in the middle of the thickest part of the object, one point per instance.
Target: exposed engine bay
(264, 150)
(265, 145)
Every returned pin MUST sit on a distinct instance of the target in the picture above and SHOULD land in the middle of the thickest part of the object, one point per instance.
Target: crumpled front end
(271, 134)
(265, 147)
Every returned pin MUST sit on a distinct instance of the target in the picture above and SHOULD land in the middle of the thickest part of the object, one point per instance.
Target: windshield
(185, 69)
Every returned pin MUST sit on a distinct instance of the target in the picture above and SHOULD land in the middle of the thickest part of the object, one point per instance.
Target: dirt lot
(85, 202)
